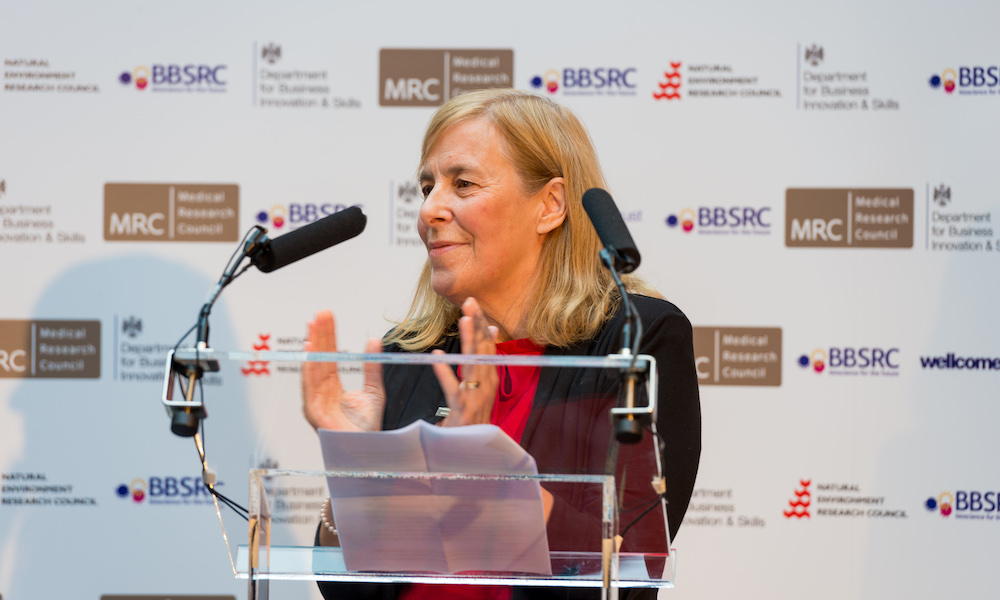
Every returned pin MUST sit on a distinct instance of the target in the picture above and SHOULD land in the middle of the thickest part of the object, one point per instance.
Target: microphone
(611, 229)
(620, 255)
(308, 240)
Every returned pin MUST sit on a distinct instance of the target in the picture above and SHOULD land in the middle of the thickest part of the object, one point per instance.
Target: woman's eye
(461, 183)
(426, 190)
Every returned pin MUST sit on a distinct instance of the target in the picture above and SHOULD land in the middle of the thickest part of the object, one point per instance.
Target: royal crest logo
(132, 326)
(408, 192)
(814, 55)
(3, 187)
(942, 195)
(270, 53)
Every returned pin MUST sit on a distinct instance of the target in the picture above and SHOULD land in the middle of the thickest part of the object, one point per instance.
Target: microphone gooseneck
(267, 255)
(619, 255)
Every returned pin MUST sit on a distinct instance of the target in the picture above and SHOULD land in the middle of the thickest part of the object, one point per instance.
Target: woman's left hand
(471, 400)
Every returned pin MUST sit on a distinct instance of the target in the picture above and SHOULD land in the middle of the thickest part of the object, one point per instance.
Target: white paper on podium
(439, 526)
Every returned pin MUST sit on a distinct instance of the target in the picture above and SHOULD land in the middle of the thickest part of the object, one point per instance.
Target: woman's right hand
(325, 403)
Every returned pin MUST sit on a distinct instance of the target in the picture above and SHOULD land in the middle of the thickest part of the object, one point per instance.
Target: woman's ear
(553, 205)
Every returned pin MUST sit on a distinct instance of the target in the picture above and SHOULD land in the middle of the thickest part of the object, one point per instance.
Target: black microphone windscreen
(312, 238)
(611, 228)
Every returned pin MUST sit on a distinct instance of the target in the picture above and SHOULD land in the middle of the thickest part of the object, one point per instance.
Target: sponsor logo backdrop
(813, 187)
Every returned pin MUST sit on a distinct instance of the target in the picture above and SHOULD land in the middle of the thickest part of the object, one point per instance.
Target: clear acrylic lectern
(608, 525)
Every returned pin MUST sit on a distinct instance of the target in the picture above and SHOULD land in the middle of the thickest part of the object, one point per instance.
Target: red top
(516, 392)
(515, 397)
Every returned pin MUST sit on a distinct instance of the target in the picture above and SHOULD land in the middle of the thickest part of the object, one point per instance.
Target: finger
(322, 338)
(447, 380)
(467, 334)
(478, 337)
(373, 371)
(472, 344)
(310, 374)
(484, 338)
(326, 330)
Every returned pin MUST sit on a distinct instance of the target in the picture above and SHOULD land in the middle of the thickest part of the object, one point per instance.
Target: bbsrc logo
(966, 504)
(602, 81)
(139, 76)
(135, 490)
(847, 360)
(296, 215)
(723, 220)
(166, 490)
(968, 80)
(189, 77)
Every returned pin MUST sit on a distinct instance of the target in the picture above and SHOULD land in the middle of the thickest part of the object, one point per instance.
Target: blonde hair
(575, 294)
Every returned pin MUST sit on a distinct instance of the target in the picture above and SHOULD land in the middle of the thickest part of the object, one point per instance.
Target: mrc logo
(428, 77)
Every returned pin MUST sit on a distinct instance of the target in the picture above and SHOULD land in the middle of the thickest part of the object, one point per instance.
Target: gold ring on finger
(468, 385)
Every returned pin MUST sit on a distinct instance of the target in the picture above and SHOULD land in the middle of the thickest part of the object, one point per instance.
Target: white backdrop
(786, 114)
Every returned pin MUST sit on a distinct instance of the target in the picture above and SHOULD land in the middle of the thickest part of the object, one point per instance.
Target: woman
(513, 267)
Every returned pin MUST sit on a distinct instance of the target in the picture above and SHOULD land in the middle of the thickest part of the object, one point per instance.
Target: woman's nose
(436, 208)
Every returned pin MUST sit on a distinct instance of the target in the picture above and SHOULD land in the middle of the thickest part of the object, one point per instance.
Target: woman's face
(480, 228)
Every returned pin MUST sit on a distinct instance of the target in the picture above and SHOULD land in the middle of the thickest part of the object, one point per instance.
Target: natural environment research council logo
(798, 507)
(259, 367)
(670, 87)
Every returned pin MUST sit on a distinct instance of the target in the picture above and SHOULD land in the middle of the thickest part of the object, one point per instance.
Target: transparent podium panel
(272, 553)
(583, 510)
